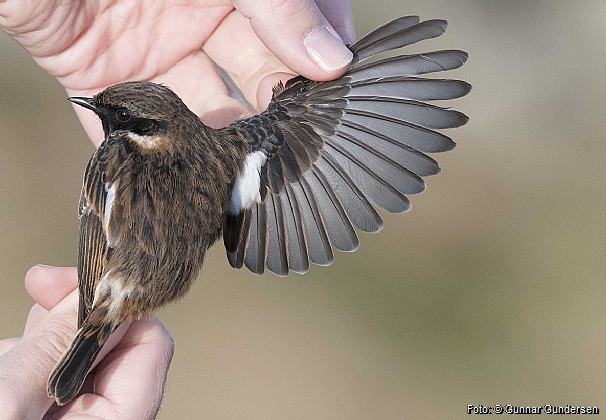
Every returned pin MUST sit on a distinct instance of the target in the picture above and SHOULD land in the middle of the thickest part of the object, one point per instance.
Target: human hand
(91, 45)
(128, 381)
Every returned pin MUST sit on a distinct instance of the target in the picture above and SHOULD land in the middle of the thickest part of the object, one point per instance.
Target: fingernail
(326, 50)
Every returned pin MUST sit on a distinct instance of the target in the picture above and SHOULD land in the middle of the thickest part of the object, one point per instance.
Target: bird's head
(143, 111)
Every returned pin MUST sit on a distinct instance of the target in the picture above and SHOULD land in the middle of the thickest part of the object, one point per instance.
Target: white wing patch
(110, 194)
(246, 188)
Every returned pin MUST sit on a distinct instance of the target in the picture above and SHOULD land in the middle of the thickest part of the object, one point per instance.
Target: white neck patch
(146, 142)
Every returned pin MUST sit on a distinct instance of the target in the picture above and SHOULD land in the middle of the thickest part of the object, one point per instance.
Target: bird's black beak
(85, 102)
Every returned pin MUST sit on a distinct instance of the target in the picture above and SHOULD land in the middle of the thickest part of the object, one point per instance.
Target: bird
(283, 188)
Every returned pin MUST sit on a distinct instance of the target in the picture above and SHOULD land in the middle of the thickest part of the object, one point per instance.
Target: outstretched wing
(325, 154)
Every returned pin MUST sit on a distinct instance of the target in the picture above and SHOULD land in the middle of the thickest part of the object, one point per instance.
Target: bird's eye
(122, 115)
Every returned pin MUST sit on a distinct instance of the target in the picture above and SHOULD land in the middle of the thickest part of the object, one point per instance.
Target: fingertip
(328, 51)
(36, 278)
(49, 285)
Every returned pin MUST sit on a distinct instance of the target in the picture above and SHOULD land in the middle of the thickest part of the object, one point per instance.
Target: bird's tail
(68, 376)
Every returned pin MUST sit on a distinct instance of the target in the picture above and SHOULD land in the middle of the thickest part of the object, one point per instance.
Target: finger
(300, 36)
(49, 285)
(36, 314)
(199, 85)
(7, 344)
(27, 366)
(249, 62)
(147, 350)
(29, 23)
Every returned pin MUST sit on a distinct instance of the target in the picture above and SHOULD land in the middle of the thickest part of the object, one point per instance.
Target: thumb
(300, 33)
(25, 368)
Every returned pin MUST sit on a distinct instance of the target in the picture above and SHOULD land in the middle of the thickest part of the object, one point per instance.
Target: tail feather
(68, 376)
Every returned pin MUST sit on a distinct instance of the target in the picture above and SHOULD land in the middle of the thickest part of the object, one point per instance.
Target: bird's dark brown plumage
(283, 187)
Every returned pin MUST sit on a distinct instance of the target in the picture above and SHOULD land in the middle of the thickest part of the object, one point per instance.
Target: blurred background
(490, 291)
